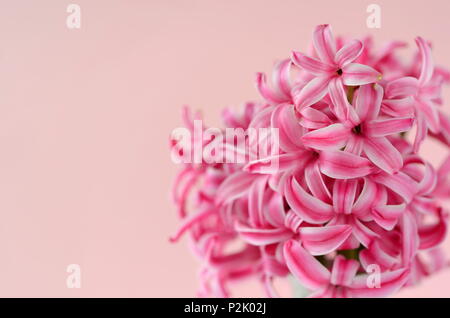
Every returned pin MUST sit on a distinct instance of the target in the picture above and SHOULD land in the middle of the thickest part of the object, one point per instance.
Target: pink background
(85, 117)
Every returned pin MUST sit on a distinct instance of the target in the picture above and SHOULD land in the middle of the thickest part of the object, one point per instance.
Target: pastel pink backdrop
(85, 117)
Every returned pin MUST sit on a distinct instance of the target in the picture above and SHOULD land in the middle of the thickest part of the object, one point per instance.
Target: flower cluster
(350, 194)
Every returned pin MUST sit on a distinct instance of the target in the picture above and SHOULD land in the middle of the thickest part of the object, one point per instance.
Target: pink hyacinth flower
(348, 193)
(333, 68)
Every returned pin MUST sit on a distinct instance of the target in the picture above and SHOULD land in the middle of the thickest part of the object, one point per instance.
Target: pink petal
(324, 240)
(181, 187)
(431, 114)
(256, 201)
(423, 204)
(388, 49)
(387, 216)
(235, 186)
(376, 255)
(437, 260)
(402, 87)
(349, 52)
(383, 154)
(340, 105)
(429, 180)
(355, 145)
(248, 254)
(324, 43)
(278, 163)
(328, 292)
(315, 182)
(400, 183)
(266, 92)
(344, 192)
(432, 91)
(365, 235)
(268, 287)
(258, 237)
(350, 244)
(191, 220)
(368, 101)
(307, 207)
(358, 74)
(410, 238)
(289, 129)
(281, 77)
(433, 234)
(231, 120)
(274, 264)
(421, 132)
(343, 165)
(313, 66)
(386, 127)
(188, 117)
(343, 271)
(275, 210)
(305, 267)
(262, 118)
(403, 107)
(390, 282)
(427, 67)
(313, 119)
(444, 168)
(312, 92)
(292, 221)
(332, 137)
(366, 198)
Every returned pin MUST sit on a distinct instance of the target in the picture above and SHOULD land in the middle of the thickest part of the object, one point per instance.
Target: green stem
(350, 254)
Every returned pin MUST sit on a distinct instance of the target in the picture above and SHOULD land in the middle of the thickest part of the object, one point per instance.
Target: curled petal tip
(295, 54)
(419, 39)
(288, 244)
(259, 77)
(323, 26)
